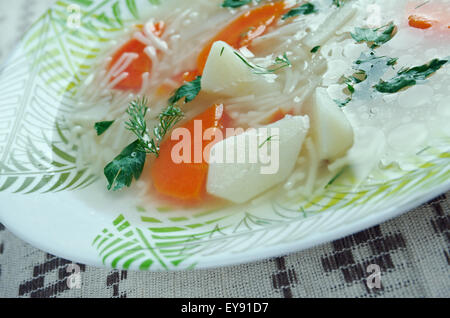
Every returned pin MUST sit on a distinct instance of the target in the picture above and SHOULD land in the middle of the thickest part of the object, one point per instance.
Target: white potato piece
(370, 144)
(227, 74)
(241, 180)
(331, 129)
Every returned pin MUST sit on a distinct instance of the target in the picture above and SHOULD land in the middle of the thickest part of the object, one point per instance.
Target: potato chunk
(227, 74)
(242, 180)
(331, 129)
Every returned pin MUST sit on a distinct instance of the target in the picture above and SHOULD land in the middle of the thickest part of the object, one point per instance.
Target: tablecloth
(412, 251)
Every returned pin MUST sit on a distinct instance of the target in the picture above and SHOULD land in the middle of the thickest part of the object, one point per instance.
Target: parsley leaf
(189, 91)
(409, 77)
(130, 162)
(126, 166)
(235, 3)
(305, 9)
(373, 37)
(102, 127)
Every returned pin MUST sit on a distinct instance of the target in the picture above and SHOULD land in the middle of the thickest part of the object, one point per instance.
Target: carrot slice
(420, 22)
(245, 29)
(428, 15)
(140, 65)
(186, 182)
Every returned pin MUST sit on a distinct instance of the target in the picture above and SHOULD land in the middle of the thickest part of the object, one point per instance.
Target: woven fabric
(412, 251)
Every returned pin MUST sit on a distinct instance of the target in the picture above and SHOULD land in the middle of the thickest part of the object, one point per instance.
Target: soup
(231, 102)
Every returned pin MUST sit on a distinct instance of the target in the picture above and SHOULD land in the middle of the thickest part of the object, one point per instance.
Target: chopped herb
(423, 150)
(371, 58)
(189, 91)
(421, 5)
(171, 116)
(283, 61)
(315, 49)
(304, 9)
(235, 3)
(102, 127)
(358, 77)
(138, 126)
(130, 162)
(280, 63)
(221, 51)
(343, 103)
(392, 61)
(375, 37)
(351, 89)
(337, 176)
(266, 141)
(389, 62)
(409, 77)
(126, 166)
(338, 3)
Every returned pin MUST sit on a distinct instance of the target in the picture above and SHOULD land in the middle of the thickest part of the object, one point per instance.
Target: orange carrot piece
(186, 182)
(429, 15)
(420, 22)
(245, 29)
(142, 64)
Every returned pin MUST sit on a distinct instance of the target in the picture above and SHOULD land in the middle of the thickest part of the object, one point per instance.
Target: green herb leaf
(337, 176)
(304, 9)
(128, 165)
(189, 91)
(280, 63)
(343, 103)
(171, 116)
(409, 77)
(235, 3)
(102, 127)
(138, 125)
(315, 49)
(338, 3)
(392, 61)
(375, 37)
(269, 139)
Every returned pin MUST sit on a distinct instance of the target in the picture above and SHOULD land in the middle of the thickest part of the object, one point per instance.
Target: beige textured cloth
(413, 251)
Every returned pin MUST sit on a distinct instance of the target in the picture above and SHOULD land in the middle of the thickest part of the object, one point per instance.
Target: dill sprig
(137, 124)
(280, 63)
(171, 116)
